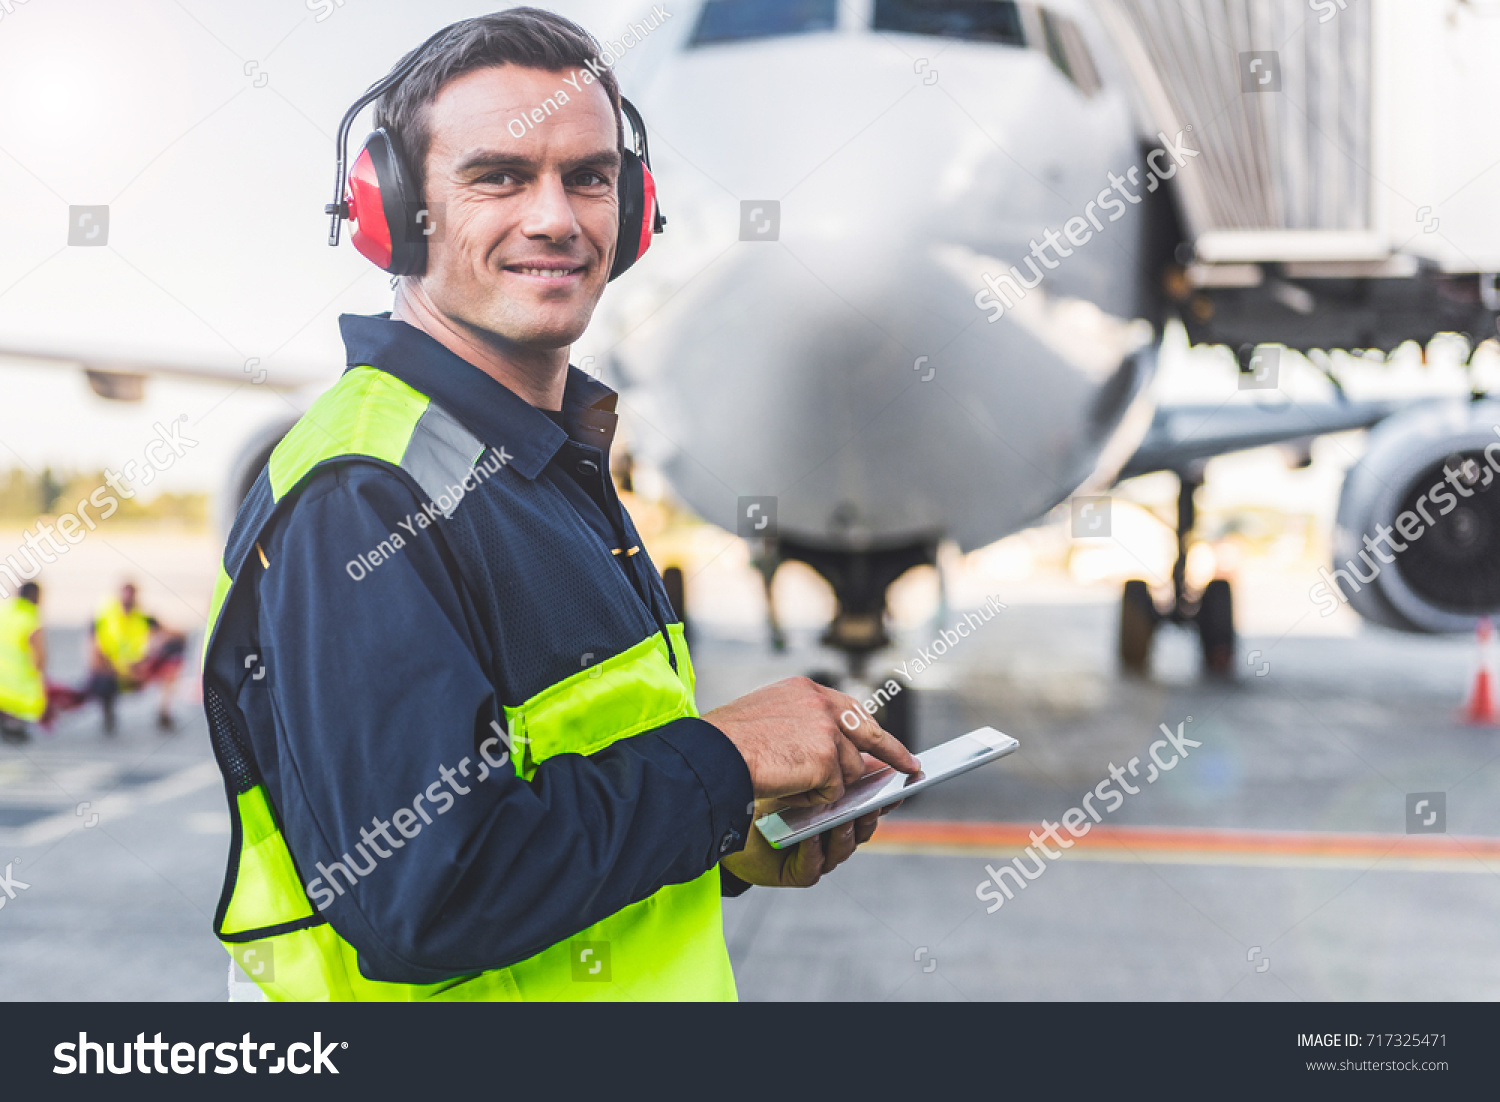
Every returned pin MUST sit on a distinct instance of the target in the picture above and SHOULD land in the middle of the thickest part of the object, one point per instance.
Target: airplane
(951, 220)
(920, 258)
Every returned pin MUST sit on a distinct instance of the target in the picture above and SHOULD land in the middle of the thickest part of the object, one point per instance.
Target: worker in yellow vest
(23, 658)
(130, 651)
(434, 583)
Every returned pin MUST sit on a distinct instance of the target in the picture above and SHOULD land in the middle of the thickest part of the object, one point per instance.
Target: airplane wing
(122, 376)
(1181, 437)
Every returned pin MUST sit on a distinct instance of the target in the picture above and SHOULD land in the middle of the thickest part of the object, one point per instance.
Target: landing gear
(860, 580)
(672, 582)
(1211, 612)
(1138, 620)
(766, 563)
(1216, 628)
(899, 718)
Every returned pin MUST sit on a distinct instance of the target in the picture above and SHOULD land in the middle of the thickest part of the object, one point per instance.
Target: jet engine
(1417, 543)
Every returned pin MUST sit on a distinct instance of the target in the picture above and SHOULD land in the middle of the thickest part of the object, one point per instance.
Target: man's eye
(590, 179)
(498, 178)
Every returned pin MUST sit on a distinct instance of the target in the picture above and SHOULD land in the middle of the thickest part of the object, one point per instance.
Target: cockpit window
(1068, 51)
(996, 21)
(739, 20)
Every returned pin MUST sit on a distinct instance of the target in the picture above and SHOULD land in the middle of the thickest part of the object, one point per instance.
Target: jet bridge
(1349, 163)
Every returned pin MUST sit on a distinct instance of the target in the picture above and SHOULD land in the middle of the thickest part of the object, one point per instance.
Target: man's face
(528, 224)
(127, 598)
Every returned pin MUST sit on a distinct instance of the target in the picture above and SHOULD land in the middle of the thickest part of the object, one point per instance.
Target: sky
(207, 128)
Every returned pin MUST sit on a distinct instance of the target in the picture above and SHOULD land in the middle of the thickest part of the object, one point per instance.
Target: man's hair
(528, 37)
(30, 591)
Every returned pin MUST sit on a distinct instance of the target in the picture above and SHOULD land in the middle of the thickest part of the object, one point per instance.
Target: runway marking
(1199, 846)
(116, 806)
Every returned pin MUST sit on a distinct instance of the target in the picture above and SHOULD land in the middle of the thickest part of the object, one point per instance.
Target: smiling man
(474, 768)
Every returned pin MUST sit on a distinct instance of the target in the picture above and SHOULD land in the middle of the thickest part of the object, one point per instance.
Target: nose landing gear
(860, 581)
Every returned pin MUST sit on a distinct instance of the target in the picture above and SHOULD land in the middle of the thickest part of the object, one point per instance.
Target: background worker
(130, 650)
(23, 663)
(453, 711)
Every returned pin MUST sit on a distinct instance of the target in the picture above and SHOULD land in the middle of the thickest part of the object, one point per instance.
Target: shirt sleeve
(428, 859)
(730, 885)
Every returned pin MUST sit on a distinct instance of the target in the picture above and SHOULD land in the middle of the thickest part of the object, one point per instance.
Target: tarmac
(1273, 861)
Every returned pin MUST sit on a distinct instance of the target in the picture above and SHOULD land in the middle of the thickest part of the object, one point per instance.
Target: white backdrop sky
(215, 186)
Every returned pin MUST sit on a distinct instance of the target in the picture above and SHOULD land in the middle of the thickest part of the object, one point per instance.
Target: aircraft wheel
(1138, 618)
(672, 582)
(898, 716)
(1216, 628)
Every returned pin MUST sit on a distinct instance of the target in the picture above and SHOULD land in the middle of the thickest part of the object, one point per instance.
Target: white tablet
(885, 786)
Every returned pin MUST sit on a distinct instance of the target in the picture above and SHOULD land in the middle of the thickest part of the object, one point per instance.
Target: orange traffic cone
(1481, 710)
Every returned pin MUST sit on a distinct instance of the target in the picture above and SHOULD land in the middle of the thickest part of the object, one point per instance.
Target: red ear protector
(390, 224)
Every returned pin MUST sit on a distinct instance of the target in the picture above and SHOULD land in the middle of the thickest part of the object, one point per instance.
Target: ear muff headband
(390, 226)
(339, 208)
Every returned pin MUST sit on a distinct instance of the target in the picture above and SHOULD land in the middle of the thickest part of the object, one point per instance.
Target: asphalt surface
(1282, 839)
(1273, 862)
(121, 843)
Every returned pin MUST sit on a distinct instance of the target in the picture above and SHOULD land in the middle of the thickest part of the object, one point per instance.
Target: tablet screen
(885, 786)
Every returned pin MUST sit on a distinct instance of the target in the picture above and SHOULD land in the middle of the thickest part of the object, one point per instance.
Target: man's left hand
(804, 864)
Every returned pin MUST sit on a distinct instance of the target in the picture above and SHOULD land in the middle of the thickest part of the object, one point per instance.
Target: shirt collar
(488, 409)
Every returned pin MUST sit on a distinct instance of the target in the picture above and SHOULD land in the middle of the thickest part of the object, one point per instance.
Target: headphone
(390, 224)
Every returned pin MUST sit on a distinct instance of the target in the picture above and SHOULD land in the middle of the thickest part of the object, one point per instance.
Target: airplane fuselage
(809, 330)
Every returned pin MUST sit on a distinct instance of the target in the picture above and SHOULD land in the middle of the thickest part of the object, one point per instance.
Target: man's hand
(804, 864)
(802, 741)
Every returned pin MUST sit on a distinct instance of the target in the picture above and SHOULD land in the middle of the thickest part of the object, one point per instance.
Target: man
(454, 714)
(23, 660)
(130, 650)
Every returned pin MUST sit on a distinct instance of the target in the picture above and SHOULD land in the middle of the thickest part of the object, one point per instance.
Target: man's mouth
(550, 271)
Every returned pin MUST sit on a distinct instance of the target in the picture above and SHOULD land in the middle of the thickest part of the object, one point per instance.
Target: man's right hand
(798, 747)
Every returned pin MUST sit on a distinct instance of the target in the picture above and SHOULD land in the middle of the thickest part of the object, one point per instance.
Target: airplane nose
(863, 135)
(816, 286)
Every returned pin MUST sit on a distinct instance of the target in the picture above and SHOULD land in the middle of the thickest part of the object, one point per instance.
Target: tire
(898, 716)
(1138, 619)
(672, 582)
(1216, 628)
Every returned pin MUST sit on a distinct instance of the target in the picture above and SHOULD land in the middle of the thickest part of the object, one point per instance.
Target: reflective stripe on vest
(123, 637)
(22, 693)
(667, 946)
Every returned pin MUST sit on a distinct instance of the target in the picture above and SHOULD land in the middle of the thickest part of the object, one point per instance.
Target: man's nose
(549, 214)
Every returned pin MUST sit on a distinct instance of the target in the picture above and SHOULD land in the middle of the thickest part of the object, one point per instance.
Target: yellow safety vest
(123, 637)
(22, 692)
(667, 946)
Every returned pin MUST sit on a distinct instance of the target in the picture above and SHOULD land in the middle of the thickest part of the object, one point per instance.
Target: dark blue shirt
(385, 675)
